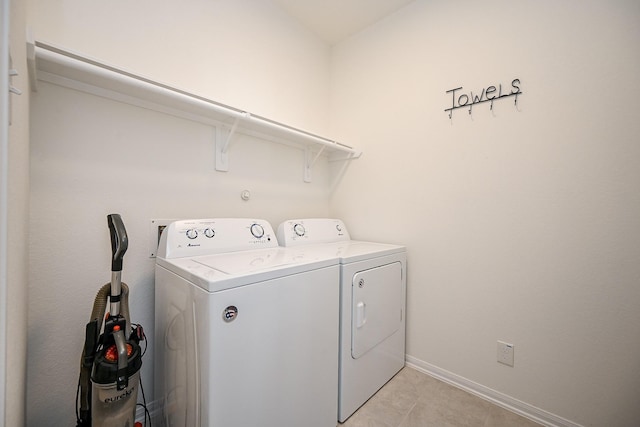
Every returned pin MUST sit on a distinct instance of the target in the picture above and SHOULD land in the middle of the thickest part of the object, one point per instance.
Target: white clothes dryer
(246, 331)
(372, 306)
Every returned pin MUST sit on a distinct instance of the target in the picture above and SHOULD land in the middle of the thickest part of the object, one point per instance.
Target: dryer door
(376, 311)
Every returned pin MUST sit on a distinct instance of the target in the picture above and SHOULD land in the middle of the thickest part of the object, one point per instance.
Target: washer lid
(246, 262)
(229, 270)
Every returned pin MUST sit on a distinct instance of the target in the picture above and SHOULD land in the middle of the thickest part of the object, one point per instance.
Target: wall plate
(155, 228)
(505, 353)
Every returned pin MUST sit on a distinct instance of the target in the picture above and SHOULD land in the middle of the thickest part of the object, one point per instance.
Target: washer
(246, 331)
(372, 306)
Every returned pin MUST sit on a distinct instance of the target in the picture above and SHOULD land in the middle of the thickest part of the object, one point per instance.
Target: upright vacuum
(111, 359)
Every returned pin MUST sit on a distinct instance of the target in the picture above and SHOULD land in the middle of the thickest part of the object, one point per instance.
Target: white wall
(522, 225)
(246, 53)
(92, 156)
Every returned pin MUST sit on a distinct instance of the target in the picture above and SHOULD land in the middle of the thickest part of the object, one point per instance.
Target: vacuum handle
(119, 241)
(122, 377)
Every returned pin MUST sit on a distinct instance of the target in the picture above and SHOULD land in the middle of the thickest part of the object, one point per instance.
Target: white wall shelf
(61, 67)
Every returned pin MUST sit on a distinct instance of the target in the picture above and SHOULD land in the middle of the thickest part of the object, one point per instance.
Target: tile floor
(414, 399)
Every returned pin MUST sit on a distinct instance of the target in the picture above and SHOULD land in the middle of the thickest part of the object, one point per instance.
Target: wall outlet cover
(505, 353)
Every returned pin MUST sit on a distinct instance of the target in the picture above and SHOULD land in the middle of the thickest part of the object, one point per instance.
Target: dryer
(246, 331)
(372, 305)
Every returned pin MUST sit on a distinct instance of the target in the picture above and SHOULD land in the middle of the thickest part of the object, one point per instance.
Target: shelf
(61, 67)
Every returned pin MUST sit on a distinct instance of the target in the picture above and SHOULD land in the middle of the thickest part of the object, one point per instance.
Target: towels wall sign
(463, 99)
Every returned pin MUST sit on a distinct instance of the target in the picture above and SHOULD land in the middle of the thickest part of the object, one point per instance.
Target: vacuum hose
(100, 305)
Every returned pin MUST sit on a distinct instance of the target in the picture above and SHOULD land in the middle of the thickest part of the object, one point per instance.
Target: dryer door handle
(361, 316)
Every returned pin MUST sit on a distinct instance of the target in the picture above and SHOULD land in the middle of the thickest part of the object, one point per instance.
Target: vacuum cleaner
(107, 392)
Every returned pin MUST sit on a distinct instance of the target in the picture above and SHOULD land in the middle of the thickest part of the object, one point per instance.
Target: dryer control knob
(257, 231)
(192, 233)
(299, 229)
(209, 232)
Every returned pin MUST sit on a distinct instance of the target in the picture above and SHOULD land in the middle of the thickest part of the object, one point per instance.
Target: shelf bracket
(223, 139)
(309, 161)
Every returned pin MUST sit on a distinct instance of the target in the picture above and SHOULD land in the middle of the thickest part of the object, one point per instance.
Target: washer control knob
(209, 232)
(299, 229)
(339, 227)
(192, 233)
(257, 231)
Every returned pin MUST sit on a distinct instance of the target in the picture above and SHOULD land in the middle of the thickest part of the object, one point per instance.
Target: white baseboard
(509, 403)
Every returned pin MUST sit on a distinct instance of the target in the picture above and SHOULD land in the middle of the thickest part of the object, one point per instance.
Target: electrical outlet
(155, 230)
(505, 353)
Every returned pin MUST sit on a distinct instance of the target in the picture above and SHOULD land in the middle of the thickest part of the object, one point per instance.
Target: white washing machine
(372, 306)
(246, 331)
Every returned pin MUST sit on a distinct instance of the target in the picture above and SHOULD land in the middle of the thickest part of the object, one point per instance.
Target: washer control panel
(210, 236)
(308, 231)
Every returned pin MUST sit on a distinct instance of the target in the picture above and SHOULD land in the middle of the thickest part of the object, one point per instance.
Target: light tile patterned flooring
(414, 399)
